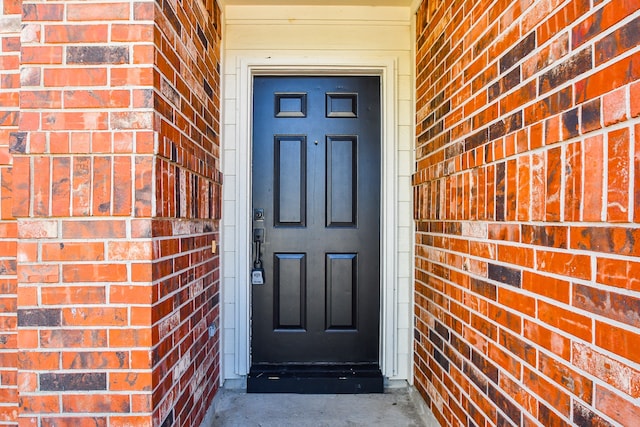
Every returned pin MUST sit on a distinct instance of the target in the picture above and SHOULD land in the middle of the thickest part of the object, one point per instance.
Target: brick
(562, 19)
(593, 179)
(39, 317)
(549, 236)
(552, 341)
(617, 340)
(619, 240)
(618, 273)
(132, 381)
(573, 67)
(79, 229)
(98, 12)
(73, 295)
(554, 184)
(615, 107)
(547, 391)
(614, 406)
(634, 96)
(506, 318)
(73, 273)
(95, 360)
(73, 338)
(568, 321)
(129, 294)
(505, 275)
(78, 382)
(74, 77)
(74, 421)
(80, 199)
(574, 185)
(49, 55)
(618, 177)
(126, 421)
(44, 12)
(91, 98)
(39, 404)
(582, 415)
(601, 20)
(128, 338)
(32, 360)
(102, 181)
(37, 229)
(39, 99)
(71, 251)
(517, 301)
(61, 188)
(567, 264)
(97, 55)
(613, 372)
(95, 403)
(75, 121)
(626, 71)
(97, 316)
(547, 286)
(622, 308)
(636, 182)
(518, 52)
(567, 378)
(85, 33)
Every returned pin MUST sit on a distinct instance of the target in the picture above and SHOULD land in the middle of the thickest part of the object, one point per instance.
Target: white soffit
(405, 3)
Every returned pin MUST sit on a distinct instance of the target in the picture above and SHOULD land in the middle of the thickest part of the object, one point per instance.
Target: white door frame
(386, 68)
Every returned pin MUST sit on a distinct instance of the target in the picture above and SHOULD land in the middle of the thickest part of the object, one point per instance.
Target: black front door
(316, 215)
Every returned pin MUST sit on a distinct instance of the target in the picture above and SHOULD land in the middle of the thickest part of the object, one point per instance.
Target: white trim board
(247, 68)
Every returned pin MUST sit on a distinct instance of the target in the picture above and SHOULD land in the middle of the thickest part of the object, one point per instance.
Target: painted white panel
(285, 37)
(404, 291)
(300, 15)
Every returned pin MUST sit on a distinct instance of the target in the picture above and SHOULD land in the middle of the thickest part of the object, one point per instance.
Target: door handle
(257, 273)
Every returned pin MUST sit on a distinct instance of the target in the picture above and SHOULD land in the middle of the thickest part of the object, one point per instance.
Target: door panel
(316, 176)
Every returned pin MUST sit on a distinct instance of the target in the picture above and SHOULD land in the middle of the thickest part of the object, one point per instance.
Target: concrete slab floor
(397, 407)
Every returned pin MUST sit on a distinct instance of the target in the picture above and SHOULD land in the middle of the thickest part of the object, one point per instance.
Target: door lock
(257, 273)
(258, 214)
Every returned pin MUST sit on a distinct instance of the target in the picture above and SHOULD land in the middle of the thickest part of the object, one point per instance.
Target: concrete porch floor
(397, 407)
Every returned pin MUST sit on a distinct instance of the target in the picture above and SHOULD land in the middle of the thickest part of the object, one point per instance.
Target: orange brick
(74, 295)
(95, 403)
(70, 251)
(129, 294)
(95, 360)
(74, 273)
(130, 381)
(623, 342)
(548, 339)
(128, 338)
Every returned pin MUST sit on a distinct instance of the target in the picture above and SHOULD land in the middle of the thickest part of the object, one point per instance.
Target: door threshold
(316, 379)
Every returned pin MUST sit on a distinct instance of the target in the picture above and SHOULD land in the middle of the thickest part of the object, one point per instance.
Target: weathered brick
(518, 52)
(39, 317)
(97, 55)
(576, 65)
(77, 382)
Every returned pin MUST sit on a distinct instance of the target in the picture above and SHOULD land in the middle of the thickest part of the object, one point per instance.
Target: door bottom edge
(316, 379)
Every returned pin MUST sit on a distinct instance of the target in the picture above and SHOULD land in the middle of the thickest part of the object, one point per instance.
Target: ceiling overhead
(402, 3)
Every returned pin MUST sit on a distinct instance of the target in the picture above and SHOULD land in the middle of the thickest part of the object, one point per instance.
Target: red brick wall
(116, 282)
(9, 100)
(185, 272)
(527, 202)
(83, 192)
